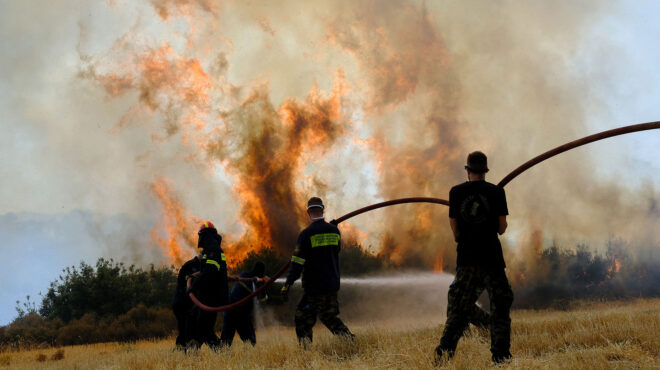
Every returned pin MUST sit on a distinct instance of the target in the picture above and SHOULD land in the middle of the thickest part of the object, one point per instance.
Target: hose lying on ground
(524, 167)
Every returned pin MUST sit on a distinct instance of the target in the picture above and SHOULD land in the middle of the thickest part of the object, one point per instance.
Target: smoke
(238, 112)
(416, 298)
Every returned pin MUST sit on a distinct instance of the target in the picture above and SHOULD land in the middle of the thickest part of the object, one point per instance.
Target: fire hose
(522, 168)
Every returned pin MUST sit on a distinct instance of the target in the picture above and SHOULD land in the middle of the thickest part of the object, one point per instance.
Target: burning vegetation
(360, 112)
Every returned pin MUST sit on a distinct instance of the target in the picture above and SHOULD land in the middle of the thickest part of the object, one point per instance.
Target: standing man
(210, 286)
(181, 304)
(477, 213)
(241, 319)
(317, 257)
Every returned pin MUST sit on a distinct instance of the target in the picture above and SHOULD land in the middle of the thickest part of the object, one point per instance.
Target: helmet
(315, 202)
(206, 225)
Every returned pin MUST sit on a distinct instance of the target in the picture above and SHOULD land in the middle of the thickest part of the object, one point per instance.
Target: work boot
(348, 336)
(441, 355)
(192, 347)
(305, 342)
(502, 358)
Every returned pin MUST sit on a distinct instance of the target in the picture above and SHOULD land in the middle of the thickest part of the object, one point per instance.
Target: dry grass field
(607, 335)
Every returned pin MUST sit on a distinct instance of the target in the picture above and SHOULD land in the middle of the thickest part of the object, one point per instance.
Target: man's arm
(189, 281)
(502, 226)
(453, 214)
(454, 228)
(503, 212)
(297, 261)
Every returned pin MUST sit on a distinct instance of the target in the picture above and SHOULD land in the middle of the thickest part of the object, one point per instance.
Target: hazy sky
(76, 185)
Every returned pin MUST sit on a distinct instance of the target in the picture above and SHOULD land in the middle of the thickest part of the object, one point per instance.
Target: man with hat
(477, 214)
(316, 257)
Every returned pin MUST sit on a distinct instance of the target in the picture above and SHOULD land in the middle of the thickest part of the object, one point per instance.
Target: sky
(103, 103)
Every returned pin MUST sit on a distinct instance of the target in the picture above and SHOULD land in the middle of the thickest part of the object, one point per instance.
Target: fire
(266, 168)
(438, 265)
(206, 105)
(180, 242)
(614, 268)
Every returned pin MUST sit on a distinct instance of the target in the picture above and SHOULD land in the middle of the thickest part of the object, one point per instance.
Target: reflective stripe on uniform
(298, 260)
(222, 255)
(214, 263)
(321, 240)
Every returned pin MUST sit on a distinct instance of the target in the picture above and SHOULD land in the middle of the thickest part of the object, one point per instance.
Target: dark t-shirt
(476, 206)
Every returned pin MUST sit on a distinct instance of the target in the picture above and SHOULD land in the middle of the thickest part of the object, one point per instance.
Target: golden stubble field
(607, 335)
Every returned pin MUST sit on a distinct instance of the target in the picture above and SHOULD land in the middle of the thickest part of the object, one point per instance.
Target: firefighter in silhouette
(241, 319)
(210, 287)
(316, 257)
(181, 304)
(477, 214)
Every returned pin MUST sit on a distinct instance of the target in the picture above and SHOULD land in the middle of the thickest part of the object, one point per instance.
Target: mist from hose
(399, 300)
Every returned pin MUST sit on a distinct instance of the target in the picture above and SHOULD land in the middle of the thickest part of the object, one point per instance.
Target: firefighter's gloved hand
(285, 292)
(189, 289)
(334, 222)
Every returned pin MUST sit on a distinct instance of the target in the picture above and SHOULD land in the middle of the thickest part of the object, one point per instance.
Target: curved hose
(524, 167)
(576, 143)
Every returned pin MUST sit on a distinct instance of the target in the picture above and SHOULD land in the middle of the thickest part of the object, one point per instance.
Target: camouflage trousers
(469, 283)
(326, 307)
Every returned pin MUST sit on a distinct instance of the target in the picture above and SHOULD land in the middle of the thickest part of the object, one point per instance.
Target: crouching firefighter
(317, 257)
(241, 319)
(181, 304)
(210, 287)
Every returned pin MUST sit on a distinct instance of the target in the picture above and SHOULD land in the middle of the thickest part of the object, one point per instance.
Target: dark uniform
(476, 206)
(241, 319)
(181, 304)
(210, 287)
(317, 258)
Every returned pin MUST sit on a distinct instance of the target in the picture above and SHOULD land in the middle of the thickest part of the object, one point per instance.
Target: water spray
(522, 168)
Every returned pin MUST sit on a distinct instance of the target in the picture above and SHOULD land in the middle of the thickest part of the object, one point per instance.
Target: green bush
(109, 289)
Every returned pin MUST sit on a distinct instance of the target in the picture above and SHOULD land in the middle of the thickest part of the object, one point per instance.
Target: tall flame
(179, 243)
(282, 108)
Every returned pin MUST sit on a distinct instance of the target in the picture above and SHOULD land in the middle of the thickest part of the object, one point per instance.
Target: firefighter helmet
(315, 202)
(206, 225)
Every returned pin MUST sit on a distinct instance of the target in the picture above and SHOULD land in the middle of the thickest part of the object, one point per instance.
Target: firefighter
(316, 257)
(241, 319)
(210, 286)
(181, 304)
(477, 214)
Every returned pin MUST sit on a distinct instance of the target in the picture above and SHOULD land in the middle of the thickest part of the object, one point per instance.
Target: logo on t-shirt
(475, 209)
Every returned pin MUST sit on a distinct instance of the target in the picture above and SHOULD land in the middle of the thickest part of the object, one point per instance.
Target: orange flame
(438, 265)
(180, 243)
